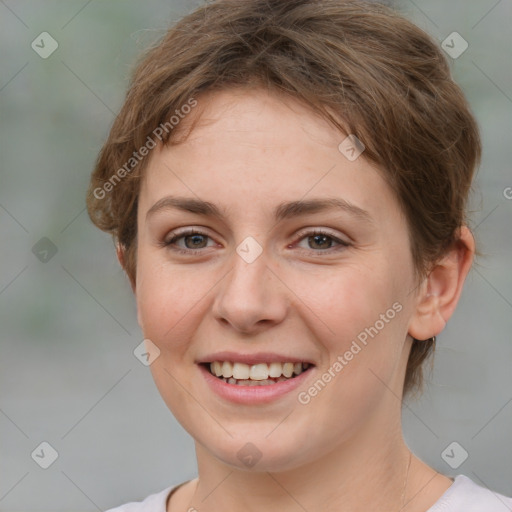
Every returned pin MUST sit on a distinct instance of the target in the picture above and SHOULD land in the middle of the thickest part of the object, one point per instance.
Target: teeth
(260, 373)
(227, 369)
(249, 382)
(275, 370)
(288, 369)
(217, 368)
(240, 371)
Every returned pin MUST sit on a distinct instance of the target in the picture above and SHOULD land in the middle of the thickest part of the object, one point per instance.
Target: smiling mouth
(261, 374)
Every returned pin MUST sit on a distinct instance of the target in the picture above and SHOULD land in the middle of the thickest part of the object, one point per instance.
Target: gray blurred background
(68, 376)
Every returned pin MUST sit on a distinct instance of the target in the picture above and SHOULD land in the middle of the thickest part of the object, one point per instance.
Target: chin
(257, 451)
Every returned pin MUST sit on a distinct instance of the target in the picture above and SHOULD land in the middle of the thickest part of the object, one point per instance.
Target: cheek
(346, 301)
(168, 302)
(366, 321)
(363, 322)
(169, 306)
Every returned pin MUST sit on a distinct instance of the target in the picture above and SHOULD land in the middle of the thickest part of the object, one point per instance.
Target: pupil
(197, 240)
(322, 241)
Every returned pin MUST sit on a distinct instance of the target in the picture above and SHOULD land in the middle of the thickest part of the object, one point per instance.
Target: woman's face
(260, 268)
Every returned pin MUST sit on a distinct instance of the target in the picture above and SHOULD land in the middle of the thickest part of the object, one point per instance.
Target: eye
(193, 241)
(321, 241)
(188, 242)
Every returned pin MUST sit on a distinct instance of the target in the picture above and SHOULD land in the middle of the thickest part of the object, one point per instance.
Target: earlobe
(440, 292)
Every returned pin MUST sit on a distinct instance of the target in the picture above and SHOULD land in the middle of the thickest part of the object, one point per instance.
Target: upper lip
(260, 357)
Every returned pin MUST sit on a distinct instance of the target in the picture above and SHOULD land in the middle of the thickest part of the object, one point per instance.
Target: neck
(356, 475)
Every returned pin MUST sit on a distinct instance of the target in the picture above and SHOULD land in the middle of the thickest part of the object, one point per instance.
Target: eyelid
(181, 232)
(169, 241)
(311, 231)
(172, 237)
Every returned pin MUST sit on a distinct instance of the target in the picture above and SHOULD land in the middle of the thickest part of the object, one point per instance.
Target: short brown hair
(361, 65)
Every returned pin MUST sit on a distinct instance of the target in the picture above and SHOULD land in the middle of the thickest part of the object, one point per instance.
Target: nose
(250, 298)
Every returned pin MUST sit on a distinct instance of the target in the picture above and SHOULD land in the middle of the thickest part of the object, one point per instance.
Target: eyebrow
(283, 211)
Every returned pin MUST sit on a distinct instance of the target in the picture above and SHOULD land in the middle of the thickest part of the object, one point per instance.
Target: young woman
(286, 183)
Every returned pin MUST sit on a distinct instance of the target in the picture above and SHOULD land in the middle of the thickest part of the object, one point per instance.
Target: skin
(251, 151)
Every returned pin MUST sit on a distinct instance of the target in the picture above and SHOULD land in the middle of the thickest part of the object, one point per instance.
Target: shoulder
(464, 495)
(153, 503)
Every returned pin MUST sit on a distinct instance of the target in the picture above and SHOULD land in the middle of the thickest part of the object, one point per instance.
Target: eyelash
(342, 244)
(305, 234)
(184, 234)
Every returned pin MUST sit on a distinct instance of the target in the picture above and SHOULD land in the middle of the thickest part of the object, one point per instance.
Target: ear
(120, 257)
(440, 291)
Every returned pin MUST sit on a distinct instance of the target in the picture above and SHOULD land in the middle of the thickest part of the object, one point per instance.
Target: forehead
(251, 147)
(251, 115)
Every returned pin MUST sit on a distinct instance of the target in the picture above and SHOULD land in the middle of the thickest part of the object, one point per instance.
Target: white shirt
(462, 496)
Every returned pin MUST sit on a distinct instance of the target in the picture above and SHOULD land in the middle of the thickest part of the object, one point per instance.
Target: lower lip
(253, 394)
